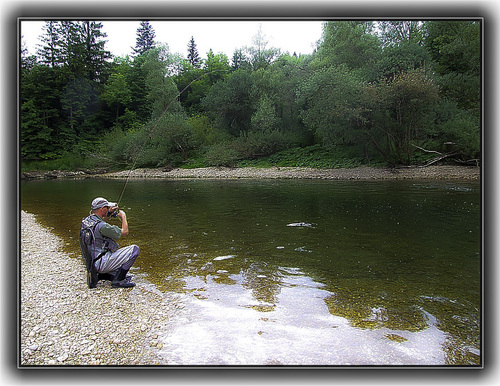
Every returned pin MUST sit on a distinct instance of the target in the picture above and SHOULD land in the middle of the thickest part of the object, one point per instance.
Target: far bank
(439, 172)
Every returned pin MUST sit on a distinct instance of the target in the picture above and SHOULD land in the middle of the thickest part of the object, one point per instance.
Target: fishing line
(154, 128)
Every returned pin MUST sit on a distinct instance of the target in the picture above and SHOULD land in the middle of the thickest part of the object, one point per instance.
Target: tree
(229, 103)
(136, 81)
(94, 54)
(240, 61)
(217, 66)
(193, 56)
(259, 55)
(75, 99)
(36, 139)
(403, 47)
(333, 108)
(161, 88)
(50, 52)
(40, 112)
(395, 32)
(264, 118)
(145, 38)
(199, 80)
(116, 92)
(349, 43)
(72, 49)
(279, 83)
(399, 114)
(455, 47)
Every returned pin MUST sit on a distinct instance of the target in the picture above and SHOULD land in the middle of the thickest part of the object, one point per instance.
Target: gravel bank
(64, 323)
(359, 173)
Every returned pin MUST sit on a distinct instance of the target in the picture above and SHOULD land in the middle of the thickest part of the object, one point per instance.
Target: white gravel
(63, 322)
(444, 172)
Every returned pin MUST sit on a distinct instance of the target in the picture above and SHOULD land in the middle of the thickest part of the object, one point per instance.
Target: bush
(464, 132)
(204, 133)
(256, 144)
(315, 157)
(221, 154)
(167, 143)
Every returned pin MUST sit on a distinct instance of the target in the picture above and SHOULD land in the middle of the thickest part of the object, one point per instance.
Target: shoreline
(64, 323)
(439, 172)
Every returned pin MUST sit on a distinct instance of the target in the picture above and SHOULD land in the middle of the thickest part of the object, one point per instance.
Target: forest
(381, 93)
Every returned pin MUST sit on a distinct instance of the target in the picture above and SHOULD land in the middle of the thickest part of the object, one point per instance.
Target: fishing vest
(92, 239)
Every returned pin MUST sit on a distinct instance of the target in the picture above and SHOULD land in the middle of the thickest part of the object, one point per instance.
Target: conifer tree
(193, 56)
(145, 38)
(94, 54)
(50, 51)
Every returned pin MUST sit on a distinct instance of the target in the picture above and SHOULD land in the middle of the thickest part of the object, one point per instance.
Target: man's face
(104, 211)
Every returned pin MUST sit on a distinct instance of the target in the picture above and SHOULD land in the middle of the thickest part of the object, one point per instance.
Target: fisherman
(109, 261)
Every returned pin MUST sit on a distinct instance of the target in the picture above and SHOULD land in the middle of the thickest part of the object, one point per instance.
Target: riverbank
(441, 172)
(64, 323)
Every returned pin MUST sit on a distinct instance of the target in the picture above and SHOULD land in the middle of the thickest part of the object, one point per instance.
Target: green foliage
(145, 39)
(315, 156)
(204, 132)
(403, 57)
(456, 50)
(116, 92)
(462, 134)
(255, 144)
(333, 99)
(264, 118)
(371, 91)
(249, 145)
(229, 103)
(221, 154)
(351, 44)
(193, 56)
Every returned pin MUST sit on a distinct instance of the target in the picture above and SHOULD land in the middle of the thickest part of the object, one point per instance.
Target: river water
(299, 272)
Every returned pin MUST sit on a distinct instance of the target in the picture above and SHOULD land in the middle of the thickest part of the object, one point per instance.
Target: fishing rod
(154, 128)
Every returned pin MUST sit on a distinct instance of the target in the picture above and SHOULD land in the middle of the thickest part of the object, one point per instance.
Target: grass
(315, 156)
(312, 156)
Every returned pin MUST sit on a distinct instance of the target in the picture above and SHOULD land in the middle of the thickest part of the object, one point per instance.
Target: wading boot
(120, 280)
(92, 278)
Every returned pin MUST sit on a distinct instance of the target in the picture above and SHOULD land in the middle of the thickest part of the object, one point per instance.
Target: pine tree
(145, 38)
(50, 52)
(193, 56)
(94, 54)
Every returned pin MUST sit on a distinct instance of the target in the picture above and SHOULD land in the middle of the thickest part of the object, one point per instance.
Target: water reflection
(284, 319)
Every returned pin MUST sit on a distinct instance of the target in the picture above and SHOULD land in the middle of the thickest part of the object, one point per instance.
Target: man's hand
(123, 217)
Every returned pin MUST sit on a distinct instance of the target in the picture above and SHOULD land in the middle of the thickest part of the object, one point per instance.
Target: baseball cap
(100, 202)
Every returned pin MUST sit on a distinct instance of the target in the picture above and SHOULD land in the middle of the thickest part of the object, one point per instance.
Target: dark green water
(391, 265)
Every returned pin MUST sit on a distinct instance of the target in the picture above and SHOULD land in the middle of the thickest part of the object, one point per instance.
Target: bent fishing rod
(154, 128)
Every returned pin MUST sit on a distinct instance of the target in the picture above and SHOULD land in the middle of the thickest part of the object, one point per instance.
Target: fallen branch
(427, 151)
(474, 161)
(441, 155)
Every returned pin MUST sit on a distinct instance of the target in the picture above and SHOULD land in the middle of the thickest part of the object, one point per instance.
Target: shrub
(221, 154)
(256, 144)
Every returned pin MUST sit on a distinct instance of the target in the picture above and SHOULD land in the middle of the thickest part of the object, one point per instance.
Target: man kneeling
(107, 259)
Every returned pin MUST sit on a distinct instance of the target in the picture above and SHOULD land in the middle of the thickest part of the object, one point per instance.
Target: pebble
(358, 173)
(65, 323)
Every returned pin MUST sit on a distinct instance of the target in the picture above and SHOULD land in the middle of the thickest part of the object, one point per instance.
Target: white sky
(220, 36)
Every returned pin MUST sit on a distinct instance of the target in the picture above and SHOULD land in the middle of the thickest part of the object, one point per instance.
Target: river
(299, 272)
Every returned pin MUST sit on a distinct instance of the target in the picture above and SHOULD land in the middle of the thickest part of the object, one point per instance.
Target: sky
(220, 36)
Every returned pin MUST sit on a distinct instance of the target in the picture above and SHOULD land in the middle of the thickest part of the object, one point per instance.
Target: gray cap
(101, 202)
